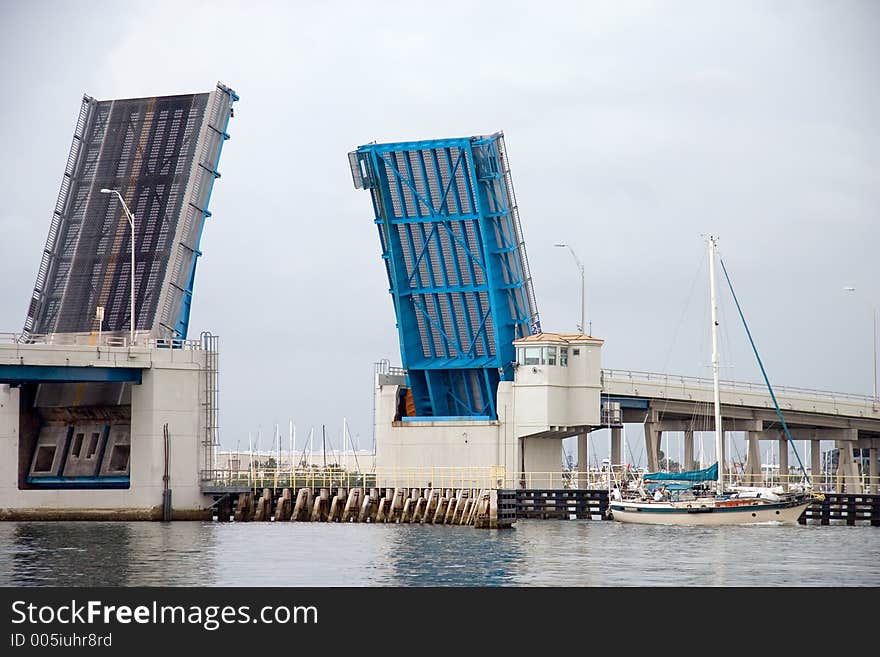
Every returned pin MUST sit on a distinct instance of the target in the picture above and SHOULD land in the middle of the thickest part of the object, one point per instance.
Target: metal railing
(258, 478)
(95, 340)
(682, 381)
(823, 482)
(494, 477)
(669, 380)
(491, 477)
(175, 343)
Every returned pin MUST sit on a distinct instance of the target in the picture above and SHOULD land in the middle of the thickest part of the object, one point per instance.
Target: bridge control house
(555, 393)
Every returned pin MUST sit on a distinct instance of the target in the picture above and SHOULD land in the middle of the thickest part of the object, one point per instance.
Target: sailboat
(687, 498)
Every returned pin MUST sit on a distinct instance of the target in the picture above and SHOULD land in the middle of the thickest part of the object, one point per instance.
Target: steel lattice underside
(456, 263)
(161, 154)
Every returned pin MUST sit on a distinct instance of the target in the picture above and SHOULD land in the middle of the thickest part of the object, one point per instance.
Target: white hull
(658, 513)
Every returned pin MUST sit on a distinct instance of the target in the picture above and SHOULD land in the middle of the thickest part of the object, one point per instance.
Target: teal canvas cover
(706, 474)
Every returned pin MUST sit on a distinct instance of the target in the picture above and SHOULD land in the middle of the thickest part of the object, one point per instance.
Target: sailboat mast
(719, 432)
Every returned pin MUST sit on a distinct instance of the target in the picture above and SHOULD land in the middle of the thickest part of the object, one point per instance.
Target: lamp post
(99, 315)
(851, 290)
(130, 217)
(580, 266)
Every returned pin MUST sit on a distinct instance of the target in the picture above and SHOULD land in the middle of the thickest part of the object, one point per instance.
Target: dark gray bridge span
(161, 154)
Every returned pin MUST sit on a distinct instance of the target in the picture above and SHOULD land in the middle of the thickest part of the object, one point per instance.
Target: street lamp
(130, 223)
(851, 289)
(580, 267)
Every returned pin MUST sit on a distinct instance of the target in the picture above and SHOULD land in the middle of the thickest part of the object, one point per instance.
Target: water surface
(535, 553)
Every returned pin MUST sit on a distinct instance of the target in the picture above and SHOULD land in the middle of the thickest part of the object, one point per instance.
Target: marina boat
(687, 498)
(683, 498)
(712, 510)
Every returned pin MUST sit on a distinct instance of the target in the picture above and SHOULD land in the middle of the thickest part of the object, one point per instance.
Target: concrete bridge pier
(815, 462)
(873, 486)
(583, 463)
(783, 460)
(653, 436)
(753, 473)
(689, 450)
(847, 468)
(616, 453)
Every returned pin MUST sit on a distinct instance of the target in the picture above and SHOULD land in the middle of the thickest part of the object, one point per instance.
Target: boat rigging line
(764, 374)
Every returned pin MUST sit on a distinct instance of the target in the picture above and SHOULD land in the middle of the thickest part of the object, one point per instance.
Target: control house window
(542, 356)
(530, 356)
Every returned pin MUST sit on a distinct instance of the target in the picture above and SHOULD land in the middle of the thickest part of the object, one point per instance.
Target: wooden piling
(460, 504)
(321, 508)
(396, 505)
(450, 510)
(384, 506)
(244, 511)
(303, 506)
(284, 507)
(431, 505)
(336, 505)
(481, 511)
(264, 506)
(419, 512)
(406, 514)
(350, 512)
(440, 513)
(368, 507)
(465, 512)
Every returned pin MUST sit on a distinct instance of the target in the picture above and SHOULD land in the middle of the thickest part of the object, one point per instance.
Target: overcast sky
(632, 127)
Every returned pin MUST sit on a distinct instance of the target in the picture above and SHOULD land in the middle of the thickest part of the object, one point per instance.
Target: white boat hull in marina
(744, 507)
(710, 514)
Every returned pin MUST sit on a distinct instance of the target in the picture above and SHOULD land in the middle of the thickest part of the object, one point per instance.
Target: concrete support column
(652, 445)
(874, 486)
(688, 450)
(847, 479)
(660, 449)
(815, 463)
(783, 462)
(616, 453)
(583, 463)
(753, 460)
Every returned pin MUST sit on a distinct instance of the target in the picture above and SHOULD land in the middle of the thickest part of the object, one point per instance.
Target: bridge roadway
(665, 402)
